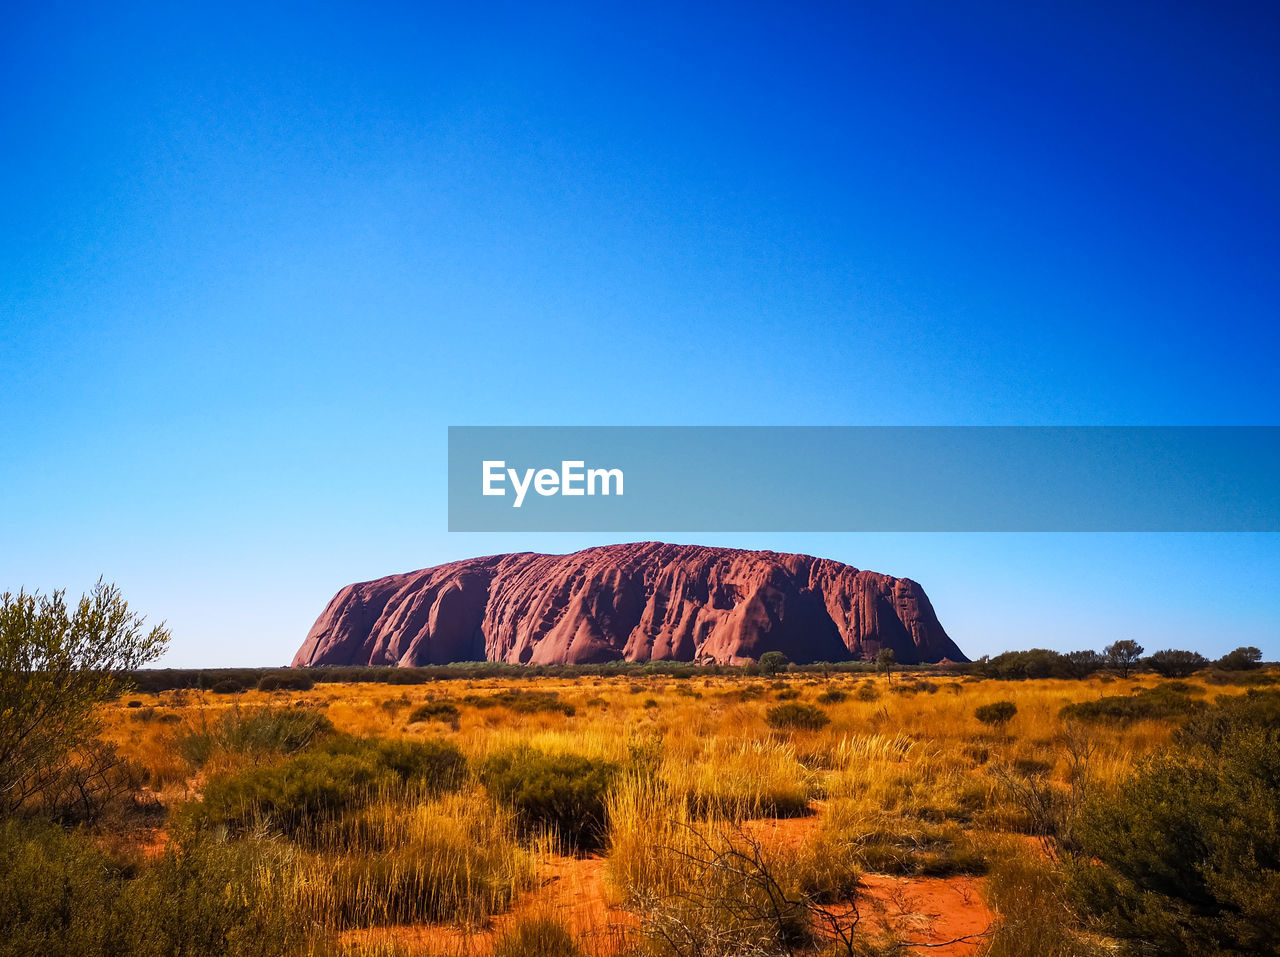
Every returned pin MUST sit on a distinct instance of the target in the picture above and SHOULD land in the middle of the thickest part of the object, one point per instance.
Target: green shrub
(227, 686)
(564, 793)
(1254, 678)
(1030, 664)
(794, 716)
(434, 765)
(59, 895)
(294, 797)
(997, 713)
(1211, 728)
(1183, 858)
(445, 711)
(285, 682)
(867, 692)
(256, 733)
(537, 937)
(299, 795)
(1161, 703)
(525, 702)
(62, 897)
(788, 694)
(832, 696)
(208, 899)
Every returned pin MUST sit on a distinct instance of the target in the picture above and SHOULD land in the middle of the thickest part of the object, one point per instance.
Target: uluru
(643, 601)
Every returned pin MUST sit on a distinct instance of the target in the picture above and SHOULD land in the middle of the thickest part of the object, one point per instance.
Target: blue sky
(255, 258)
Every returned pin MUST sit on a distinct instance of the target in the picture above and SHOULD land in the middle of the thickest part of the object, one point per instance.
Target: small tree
(885, 661)
(1172, 663)
(56, 667)
(1242, 659)
(771, 662)
(1123, 655)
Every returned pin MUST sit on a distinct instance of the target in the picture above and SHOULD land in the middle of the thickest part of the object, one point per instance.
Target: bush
(256, 733)
(1242, 678)
(997, 713)
(445, 711)
(207, 899)
(1031, 664)
(294, 797)
(1176, 664)
(1211, 728)
(793, 716)
(536, 937)
(1081, 664)
(564, 793)
(55, 889)
(227, 686)
(832, 696)
(1160, 703)
(527, 702)
(434, 765)
(56, 667)
(285, 682)
(62, 897)
(1183, 858)
(1040, 663)
(300, 795)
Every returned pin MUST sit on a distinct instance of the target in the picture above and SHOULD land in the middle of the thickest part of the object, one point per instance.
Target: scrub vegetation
(1030, 804)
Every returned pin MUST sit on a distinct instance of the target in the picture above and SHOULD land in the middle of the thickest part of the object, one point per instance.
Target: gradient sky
(254, 258)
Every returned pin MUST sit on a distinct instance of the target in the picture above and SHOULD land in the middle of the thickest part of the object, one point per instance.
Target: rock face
(642, 602)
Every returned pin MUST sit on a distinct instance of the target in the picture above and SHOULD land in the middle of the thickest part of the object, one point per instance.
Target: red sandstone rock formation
(644, 601)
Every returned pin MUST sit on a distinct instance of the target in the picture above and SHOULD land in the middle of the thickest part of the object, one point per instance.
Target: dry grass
(906, 782)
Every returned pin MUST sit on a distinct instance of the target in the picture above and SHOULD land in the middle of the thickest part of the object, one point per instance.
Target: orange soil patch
(928, 910)
(916, 910)
(788, 832)
(571, 889)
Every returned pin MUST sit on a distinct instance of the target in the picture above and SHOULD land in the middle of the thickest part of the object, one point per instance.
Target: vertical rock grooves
(642, 601)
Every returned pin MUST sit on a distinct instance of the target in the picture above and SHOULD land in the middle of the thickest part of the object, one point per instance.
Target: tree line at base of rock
(1123, 657)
